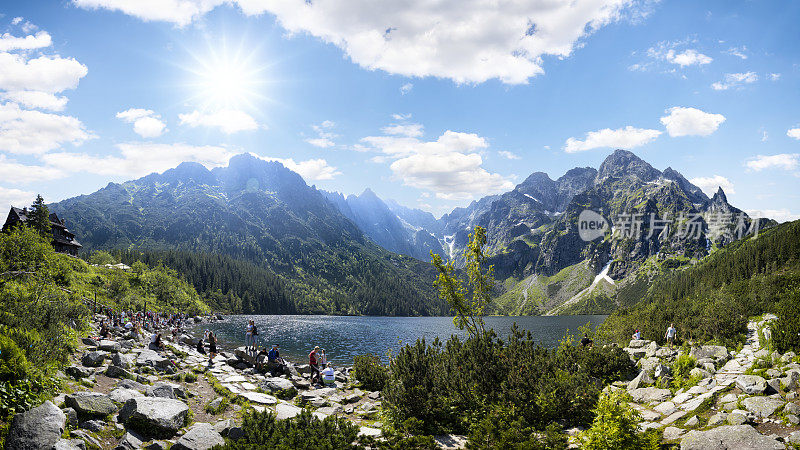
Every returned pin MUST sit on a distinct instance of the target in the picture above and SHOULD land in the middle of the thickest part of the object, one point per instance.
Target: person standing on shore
(212, 347)
(670, 335)
(248, 335)
(323, 359)
(313, 362)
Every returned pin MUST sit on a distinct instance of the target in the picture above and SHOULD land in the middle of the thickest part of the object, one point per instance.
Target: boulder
(151, 358)
(93, 359)
(739, 437)
(737, 417)
(717, 419)
(93, 425)
(109, 346)
(154, 416)
(699, 373)
(650, 394)
(72, 416)
(39, 428)
(130, 441)
(716, 352)
(188, 340)
(274, 384)
(751, 384)
(792, 380)
(259, 398)
(89, 342)
(67, 444)
(131, 384)
(792, 408)
(165, 390)
(122, 395)
(661, 370)
(672, 433)
(692, 422)
(666, 408)
(117, 372)
(78, 372)
(224, 426)
(201, 436)
(641, 380)
(92, 404)
(286, 411)
(762, 406)
(638, 343)
(122, 360)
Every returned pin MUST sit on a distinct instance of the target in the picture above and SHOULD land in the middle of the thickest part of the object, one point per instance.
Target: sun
(226, 79)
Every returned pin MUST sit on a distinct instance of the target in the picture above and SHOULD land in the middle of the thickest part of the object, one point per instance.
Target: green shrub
(786, 330)
(190, 377)
(262, 430)
(616, 426)
(370, 372)
(680, 371)
(223, 405)
(500, 429)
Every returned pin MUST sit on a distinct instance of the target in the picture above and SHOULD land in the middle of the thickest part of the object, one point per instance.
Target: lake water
(343, 337)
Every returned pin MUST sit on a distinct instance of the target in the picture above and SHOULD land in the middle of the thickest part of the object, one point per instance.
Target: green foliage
(615, 426)
(223, 405)
(39, 218)
(100, 258)
(190, 377)
(680, 371)
(713, 300)
(468, 310)
(501, 428)
(370, 372)
(453, 386)
(786, 330)
(263, 430)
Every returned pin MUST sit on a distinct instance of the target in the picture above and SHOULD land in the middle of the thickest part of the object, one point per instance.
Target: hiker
(586, 341)
(328, 375)
(313, 362)
(155, 342)
(200, 347)
(255, 336)
(248, 335)
(323, 359)
(274, 355)
(636, 335)
(212, 347)
(670, 334)
(104, 331)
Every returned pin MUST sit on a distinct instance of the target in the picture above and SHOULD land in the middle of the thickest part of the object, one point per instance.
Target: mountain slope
(260, 212)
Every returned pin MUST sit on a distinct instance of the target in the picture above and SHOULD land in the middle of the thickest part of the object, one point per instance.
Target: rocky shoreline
(120, 394)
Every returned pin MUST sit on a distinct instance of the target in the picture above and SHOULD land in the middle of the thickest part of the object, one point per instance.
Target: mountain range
(359, 254)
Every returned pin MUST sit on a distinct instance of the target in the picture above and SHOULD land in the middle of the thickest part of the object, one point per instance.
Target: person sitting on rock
(328, 375)
(637, 335)
(155, 342)
(200, 347)
(104, 331)
(586, 341)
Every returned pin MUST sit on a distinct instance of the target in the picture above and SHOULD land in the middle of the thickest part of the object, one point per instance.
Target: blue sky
(431, 104)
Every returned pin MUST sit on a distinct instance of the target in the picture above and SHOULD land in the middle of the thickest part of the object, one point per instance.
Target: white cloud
(146, 123)
(732, 80)
(35, 132)
(401, 116)
(36, 99)
(15, 197)
(738, 51)
(709, 185)
(137, 159)
(508, 155)
(324, 137)
(409, 129)
(466, 42)
(780, 215)
(32, 41)
(312, 169)
(626, 138)
(786, 161)
(667, 51)
(51, 74)
(774, 76)
(228, 120)
(691, 122)
(406, 88)
(793, 133)
(450, 166)
(12, 171)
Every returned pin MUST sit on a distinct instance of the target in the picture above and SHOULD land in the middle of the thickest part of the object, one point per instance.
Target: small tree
(40, 217)
(468, 309)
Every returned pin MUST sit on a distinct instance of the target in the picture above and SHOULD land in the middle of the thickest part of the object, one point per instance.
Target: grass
(221, 408)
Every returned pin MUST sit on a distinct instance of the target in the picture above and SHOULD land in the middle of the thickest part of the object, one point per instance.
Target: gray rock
(660, 371)
(117, 372)
(751, 384)
(792, 408)
(737, 417)
(78, 372)
(792, 380)
(92, 404)
(738, 437)
(650, 394)
(274, 384)
(259, 398)
(154, 416)
(794, 438)
(151, 358)
(158, 445)
(122, 395)
(130, 384)
(202, 436)
(638, 343)
(165, 390)
(286, 411)
(692, 422)
(72, 417)
(130, 441)
(122, 360)
(215, 404)
(699, 373)
(716, 352)
(90, 342)
(88, 438)
(672, 433)
(672, 418)
(717, 419)
(666, 408)
(793, 419)
(93, 425)
(762, 406)
(39, 428)
(67, 444)
(93, 359)
(223, 426)
(109, 346)
(641, 380)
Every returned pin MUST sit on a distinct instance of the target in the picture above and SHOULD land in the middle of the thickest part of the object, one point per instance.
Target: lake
(343, 337)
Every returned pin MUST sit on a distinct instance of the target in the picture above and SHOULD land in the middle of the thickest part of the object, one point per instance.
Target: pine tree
(40, 217)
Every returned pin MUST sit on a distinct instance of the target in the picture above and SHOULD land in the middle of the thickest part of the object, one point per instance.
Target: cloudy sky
(429, 103)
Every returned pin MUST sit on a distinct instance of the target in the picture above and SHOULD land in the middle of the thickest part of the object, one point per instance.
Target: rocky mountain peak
(720, 196)
(623, 163)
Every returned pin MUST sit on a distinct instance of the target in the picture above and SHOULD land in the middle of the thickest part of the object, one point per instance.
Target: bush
(499, 429)
(680, 371)
(370, 372)
(786, 330)
(262, 430)
(615, 426)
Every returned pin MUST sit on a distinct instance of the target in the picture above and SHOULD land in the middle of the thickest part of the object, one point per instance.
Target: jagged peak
(625, 163)
(720, 196)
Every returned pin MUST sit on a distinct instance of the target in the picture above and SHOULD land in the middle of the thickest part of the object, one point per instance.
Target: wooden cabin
(63, 240)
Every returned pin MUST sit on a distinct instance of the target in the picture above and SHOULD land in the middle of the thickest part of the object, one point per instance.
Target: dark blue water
(344, 337)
